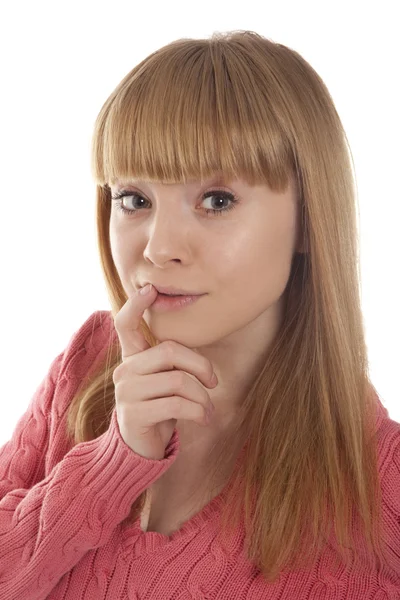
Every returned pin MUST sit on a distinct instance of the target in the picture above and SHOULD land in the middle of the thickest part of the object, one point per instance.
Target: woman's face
(240, 258)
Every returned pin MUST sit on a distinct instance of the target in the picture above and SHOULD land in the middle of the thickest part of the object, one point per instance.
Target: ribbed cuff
(107, 476)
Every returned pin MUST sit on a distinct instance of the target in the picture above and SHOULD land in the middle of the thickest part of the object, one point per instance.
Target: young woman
(216, 433)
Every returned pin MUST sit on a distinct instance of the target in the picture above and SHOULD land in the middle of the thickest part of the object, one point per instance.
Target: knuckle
(177, 380)
(176, 405)
(118, 319)
(117, 374)
(169, 349)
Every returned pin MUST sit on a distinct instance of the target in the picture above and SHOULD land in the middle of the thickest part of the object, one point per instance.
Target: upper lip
(172, 291)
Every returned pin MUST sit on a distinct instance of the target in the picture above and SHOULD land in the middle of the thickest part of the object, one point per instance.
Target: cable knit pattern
(62, 505)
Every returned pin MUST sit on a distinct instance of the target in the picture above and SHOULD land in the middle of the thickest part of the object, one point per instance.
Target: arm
(47, 523)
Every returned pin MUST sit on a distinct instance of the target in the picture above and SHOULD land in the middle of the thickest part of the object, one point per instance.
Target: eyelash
(226, 195)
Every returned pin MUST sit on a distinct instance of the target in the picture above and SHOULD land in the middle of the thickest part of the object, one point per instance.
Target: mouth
(168, 302)
(173, 295)
(174, 291)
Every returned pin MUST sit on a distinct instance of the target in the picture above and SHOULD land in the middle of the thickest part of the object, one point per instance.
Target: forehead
(218, 178)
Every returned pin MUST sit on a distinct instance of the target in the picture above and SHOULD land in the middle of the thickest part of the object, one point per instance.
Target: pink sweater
(61, 508)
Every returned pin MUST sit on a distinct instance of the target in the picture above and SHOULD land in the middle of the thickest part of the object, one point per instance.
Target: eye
(117, 199)
(219, 194)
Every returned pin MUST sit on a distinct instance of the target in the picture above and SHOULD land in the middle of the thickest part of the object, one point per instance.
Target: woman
(219, 436)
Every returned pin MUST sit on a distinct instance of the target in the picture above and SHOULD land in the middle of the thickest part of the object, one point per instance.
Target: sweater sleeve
(48, 522)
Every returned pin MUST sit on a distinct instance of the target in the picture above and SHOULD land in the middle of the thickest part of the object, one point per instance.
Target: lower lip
(166, 303)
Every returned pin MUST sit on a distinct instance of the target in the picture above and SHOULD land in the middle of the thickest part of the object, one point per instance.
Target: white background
(59, 63)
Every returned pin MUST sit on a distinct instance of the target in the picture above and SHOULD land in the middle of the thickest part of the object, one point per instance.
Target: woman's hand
(152, 389)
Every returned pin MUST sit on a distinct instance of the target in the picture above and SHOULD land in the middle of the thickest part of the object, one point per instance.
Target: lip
(172, 291)
(168, 303)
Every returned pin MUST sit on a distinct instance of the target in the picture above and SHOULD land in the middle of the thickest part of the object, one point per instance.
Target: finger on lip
(127, 325)
(146, 289)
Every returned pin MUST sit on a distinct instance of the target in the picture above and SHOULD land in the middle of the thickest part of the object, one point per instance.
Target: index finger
(128, 319)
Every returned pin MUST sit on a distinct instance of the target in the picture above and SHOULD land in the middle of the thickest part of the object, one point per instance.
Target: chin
(191, 337)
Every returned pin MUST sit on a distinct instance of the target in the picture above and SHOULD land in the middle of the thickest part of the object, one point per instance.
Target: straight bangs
(172, 125)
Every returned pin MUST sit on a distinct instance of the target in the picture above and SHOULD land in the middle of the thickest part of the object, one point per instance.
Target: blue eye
(221, 195)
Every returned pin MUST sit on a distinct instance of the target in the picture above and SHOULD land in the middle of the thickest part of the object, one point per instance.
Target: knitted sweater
(61, 508)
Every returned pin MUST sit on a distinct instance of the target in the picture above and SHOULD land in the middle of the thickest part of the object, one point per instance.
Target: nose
(167, 237)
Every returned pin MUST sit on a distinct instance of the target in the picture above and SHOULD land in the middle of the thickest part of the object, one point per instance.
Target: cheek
(124, 259)
(114, 238)
(116, 246)
(122, 244)
(255, 267)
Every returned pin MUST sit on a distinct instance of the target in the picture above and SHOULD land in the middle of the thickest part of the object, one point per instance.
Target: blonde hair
(248, 107)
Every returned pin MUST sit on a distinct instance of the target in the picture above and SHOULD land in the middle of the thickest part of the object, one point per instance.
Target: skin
(241, 259)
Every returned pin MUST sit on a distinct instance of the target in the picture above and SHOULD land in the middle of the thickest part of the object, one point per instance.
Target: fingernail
(214, 379)
(145, 290)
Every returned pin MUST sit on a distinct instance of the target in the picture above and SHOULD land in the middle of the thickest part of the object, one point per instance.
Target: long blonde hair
(248, 107)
